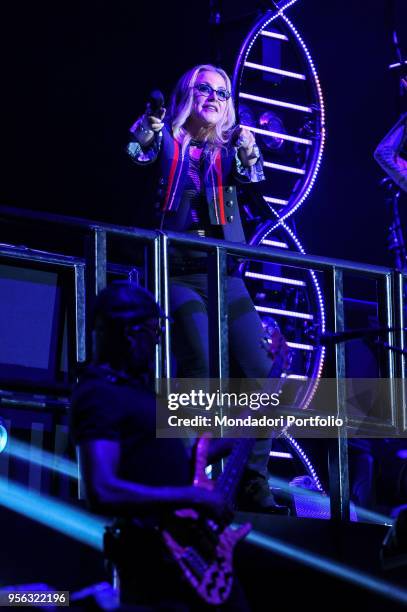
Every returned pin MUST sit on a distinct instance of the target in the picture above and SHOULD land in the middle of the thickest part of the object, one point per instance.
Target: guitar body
(203, 549)
(210, 576)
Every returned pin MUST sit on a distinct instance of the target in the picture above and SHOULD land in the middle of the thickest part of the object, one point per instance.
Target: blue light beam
(28, 452)
(72, 522)
(327, 566)
(3, 437)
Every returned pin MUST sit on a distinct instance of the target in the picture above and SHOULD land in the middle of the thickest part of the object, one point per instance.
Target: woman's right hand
(146, 126)
(154, 123)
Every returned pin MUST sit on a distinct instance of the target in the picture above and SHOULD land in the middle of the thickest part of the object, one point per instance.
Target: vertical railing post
(161, 293)
(338, 447)
(80, 314)
(218, 328)
(218, 315)
(387, 358)
(401, 360)
(389, 321)
(96, 273)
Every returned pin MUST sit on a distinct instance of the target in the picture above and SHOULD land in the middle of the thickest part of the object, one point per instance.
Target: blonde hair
(181, 105)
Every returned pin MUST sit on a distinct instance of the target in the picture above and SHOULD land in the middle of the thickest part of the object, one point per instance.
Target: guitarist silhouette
(145, 482)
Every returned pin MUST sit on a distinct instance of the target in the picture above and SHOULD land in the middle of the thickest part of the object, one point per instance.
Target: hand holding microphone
(245, 141)
(152, 121)
(155, 112)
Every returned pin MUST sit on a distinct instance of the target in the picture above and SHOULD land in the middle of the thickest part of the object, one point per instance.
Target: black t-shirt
(121, 410)
(108, 408)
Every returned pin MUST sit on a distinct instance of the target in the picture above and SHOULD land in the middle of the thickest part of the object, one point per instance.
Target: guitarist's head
(127, 328)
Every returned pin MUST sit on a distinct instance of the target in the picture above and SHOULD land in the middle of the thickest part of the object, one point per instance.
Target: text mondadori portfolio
(251, 421)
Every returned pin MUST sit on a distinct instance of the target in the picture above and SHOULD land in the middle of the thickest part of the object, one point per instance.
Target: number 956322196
(33, 598)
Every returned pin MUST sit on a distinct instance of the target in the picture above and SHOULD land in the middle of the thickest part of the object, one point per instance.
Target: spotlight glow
(66, 519)
(329, 566)
(51, 461)
(3, 438)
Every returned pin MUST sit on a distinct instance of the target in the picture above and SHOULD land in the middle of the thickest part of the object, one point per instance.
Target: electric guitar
(203, 548)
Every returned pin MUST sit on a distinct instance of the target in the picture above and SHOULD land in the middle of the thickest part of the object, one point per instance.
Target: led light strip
(319, 351)
(287, 73)
(275, 243)
(302, 347)
(397, 64)
(306, 460)
(297, 377)
(287, 486)
(283, 168)
(313, 275)
(281, 455)
(283, 8)
(301, 249)
(319, 108)
(322, 111)
(305, 141)
(295, 345)
(273, 102)
(275, 201)
(286, 313)
(274, 35)
(277, 279)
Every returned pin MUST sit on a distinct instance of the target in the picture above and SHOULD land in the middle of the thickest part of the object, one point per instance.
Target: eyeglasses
(206, 90)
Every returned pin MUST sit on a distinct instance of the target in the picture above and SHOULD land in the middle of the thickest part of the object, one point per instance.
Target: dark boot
(255, 495)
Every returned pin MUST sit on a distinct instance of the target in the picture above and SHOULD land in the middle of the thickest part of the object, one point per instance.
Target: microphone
(155, 103)
(235, 136)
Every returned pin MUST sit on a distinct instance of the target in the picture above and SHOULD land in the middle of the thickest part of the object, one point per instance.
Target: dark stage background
(77, 74)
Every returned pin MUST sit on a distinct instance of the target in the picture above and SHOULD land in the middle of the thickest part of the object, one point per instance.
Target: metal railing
(96, 265)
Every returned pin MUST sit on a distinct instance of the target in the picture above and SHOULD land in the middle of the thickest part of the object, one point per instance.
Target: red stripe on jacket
(172, 173)
(218, 163)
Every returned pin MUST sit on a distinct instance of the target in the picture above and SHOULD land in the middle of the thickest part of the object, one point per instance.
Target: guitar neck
(228, 481)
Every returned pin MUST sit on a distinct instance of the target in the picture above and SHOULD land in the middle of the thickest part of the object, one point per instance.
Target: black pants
(189, 308)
